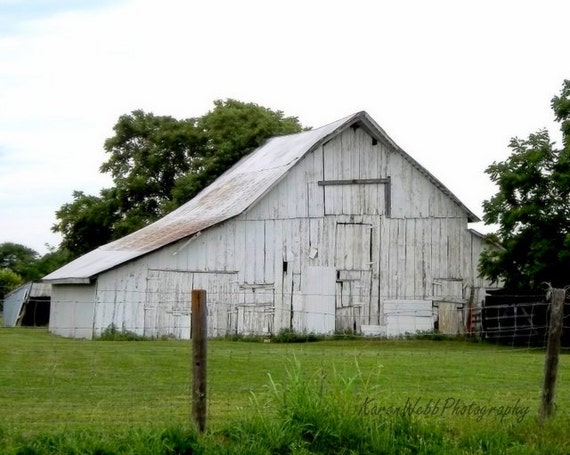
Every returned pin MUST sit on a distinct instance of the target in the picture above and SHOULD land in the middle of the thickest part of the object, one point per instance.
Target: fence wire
(255, 313)
(49, 381)
(53, 382)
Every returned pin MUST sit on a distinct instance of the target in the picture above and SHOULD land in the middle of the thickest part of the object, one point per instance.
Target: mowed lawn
(49, 383)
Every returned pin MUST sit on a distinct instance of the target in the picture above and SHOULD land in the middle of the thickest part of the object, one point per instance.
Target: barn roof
(230, 195)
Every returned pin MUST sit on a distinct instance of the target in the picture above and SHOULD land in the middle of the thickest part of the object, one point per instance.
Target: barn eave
(70, 280)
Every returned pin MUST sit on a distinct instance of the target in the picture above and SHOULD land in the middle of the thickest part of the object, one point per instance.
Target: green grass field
(465, 391)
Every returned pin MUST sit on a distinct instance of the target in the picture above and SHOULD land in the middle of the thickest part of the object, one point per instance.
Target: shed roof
(230, 195)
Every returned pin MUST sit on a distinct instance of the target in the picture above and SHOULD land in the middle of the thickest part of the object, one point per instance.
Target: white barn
(332, 229)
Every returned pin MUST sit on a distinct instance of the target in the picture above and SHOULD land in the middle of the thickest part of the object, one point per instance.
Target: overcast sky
(450, 81)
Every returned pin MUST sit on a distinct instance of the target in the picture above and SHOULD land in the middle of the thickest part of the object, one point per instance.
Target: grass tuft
(291, 336)
(112, 333)
(320, 413)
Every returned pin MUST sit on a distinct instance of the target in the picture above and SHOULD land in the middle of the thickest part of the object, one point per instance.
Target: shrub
(112, 333)
(245, 338)
(290, 336)
(347, 334)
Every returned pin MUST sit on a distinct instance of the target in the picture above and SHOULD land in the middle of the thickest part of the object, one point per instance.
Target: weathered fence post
(552, 352)
(199, 347)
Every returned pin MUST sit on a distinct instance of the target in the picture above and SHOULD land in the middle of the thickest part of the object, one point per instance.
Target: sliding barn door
(353, 262)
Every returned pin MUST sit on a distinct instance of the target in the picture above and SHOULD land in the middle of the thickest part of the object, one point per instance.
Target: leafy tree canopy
(230, 131)
(532, 209)
(87, 222)
(158, 163)
(148, 154)
(19, 259)
(9, 280)
(20, 264)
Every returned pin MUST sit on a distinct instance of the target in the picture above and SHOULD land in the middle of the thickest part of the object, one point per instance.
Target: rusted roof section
(230, 195)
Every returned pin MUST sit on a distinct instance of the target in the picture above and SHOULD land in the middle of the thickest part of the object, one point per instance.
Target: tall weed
(322, 413)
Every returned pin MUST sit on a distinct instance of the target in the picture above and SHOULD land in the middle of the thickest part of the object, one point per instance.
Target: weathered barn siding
(403, 257)
(72, 313)
(120, 298)
(355, 234)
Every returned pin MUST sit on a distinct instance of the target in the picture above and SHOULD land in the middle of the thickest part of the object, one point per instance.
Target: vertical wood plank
(256, 245)
(401, 264)
(269, 249)
(240, 251)
(410, 262)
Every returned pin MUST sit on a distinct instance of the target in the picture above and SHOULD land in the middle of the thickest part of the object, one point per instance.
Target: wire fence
(52, 382)
(516, 320)
(523, 325)
(49, 381)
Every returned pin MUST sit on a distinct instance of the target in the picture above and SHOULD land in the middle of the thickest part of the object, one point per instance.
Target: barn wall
(72, 309)
(121, 296)
(311, 255)
(151, 296)
(404, 242)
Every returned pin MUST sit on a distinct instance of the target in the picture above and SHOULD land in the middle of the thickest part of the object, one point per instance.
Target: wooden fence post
(552, 353)
(199, 354)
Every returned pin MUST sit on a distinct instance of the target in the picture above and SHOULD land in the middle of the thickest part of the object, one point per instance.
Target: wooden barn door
(450, 304)
(256, 313)
(167, 305)
(353, 262)
(168, 297)
(317, 313)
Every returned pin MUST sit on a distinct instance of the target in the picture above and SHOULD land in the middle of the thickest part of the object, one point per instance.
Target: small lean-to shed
(332, 229)
(28, 305)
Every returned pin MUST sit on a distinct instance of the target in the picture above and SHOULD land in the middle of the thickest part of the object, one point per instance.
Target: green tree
(231, 130)
(158, 163)
(17, 265)
(26, 264)
(87, 222)
(532, 209)
(9, 280)
(19, 259)
(52, 260)
(148, 154)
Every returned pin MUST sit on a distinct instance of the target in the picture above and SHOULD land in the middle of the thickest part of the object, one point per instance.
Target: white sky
(450, 81)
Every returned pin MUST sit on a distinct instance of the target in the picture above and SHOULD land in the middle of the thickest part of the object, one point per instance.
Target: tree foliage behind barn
(532, 208)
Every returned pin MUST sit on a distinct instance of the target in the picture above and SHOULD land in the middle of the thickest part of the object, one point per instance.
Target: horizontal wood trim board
(217, 272)
(354, 182)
